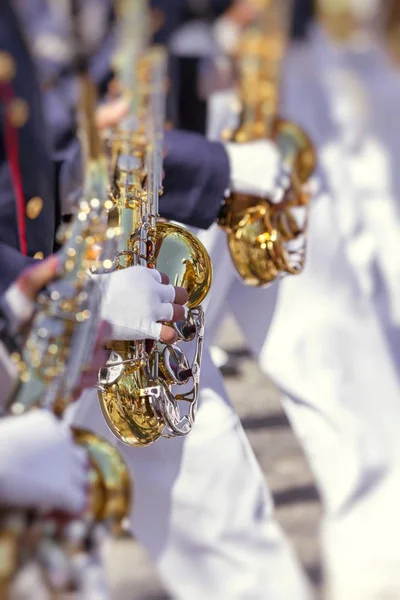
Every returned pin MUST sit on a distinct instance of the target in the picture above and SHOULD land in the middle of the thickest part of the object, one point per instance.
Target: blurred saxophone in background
(267, 240)
(61, 337)
(141, 389)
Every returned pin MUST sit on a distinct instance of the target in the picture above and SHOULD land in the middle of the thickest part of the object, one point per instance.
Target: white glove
(256, 169)
(18, 307)
(40, 465)
(8, 376)
(134, 303)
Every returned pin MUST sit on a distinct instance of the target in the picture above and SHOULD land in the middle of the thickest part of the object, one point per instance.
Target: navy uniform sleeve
(196, 177)
(36, 169)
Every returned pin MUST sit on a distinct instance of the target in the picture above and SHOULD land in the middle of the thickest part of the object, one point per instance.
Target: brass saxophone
(266, 240)
(136, 387)
(60, 339)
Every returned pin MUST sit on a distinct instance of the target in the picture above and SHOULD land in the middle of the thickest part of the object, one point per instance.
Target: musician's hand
(40, 465)
(111, 113)
(19, 299)
(34, 278)
(136, 302)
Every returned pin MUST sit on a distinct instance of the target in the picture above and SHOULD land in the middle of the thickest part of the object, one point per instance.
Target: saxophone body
(142, 388)
(61, 336)
(260, 232)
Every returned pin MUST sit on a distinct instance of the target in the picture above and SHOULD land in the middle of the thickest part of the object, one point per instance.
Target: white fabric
(29, 578)
(40, 466)
(134, 302)
(19, 308)
(255, 169)
(201, 507)
(8, 376)
(320, 335)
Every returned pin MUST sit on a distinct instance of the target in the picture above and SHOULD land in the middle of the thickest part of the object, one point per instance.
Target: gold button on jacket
(34, 207)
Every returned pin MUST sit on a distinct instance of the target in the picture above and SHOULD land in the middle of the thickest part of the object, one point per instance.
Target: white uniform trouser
(201, 508)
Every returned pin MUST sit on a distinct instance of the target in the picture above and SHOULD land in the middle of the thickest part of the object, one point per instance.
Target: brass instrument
(136, 387)
(61, 337)
(266, 240)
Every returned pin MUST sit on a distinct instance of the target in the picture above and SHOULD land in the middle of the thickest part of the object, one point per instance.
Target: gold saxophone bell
(129, 397)
(110, 495)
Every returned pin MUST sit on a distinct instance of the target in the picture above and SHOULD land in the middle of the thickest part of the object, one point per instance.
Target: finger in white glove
(135, 302)
(40, 465)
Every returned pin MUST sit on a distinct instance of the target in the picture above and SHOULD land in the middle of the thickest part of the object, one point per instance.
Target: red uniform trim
(12, 153)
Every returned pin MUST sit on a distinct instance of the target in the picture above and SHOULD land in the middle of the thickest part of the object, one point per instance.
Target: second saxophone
(147, 393)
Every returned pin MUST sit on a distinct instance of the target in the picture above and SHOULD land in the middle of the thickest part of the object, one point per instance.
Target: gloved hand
(136, 301)
(40, 466)
(256, 169)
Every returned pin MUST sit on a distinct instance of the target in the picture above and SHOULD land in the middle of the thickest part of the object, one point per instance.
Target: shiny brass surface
(259, 230)
(129, 412)
(111, 489)
(180, 255)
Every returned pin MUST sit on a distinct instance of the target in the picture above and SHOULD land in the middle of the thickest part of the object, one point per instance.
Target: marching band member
(314, 334)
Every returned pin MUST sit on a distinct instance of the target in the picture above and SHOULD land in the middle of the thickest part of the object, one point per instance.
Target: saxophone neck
(259, 59)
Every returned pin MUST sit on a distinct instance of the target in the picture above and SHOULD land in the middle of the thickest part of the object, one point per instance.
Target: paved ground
(297, 506)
